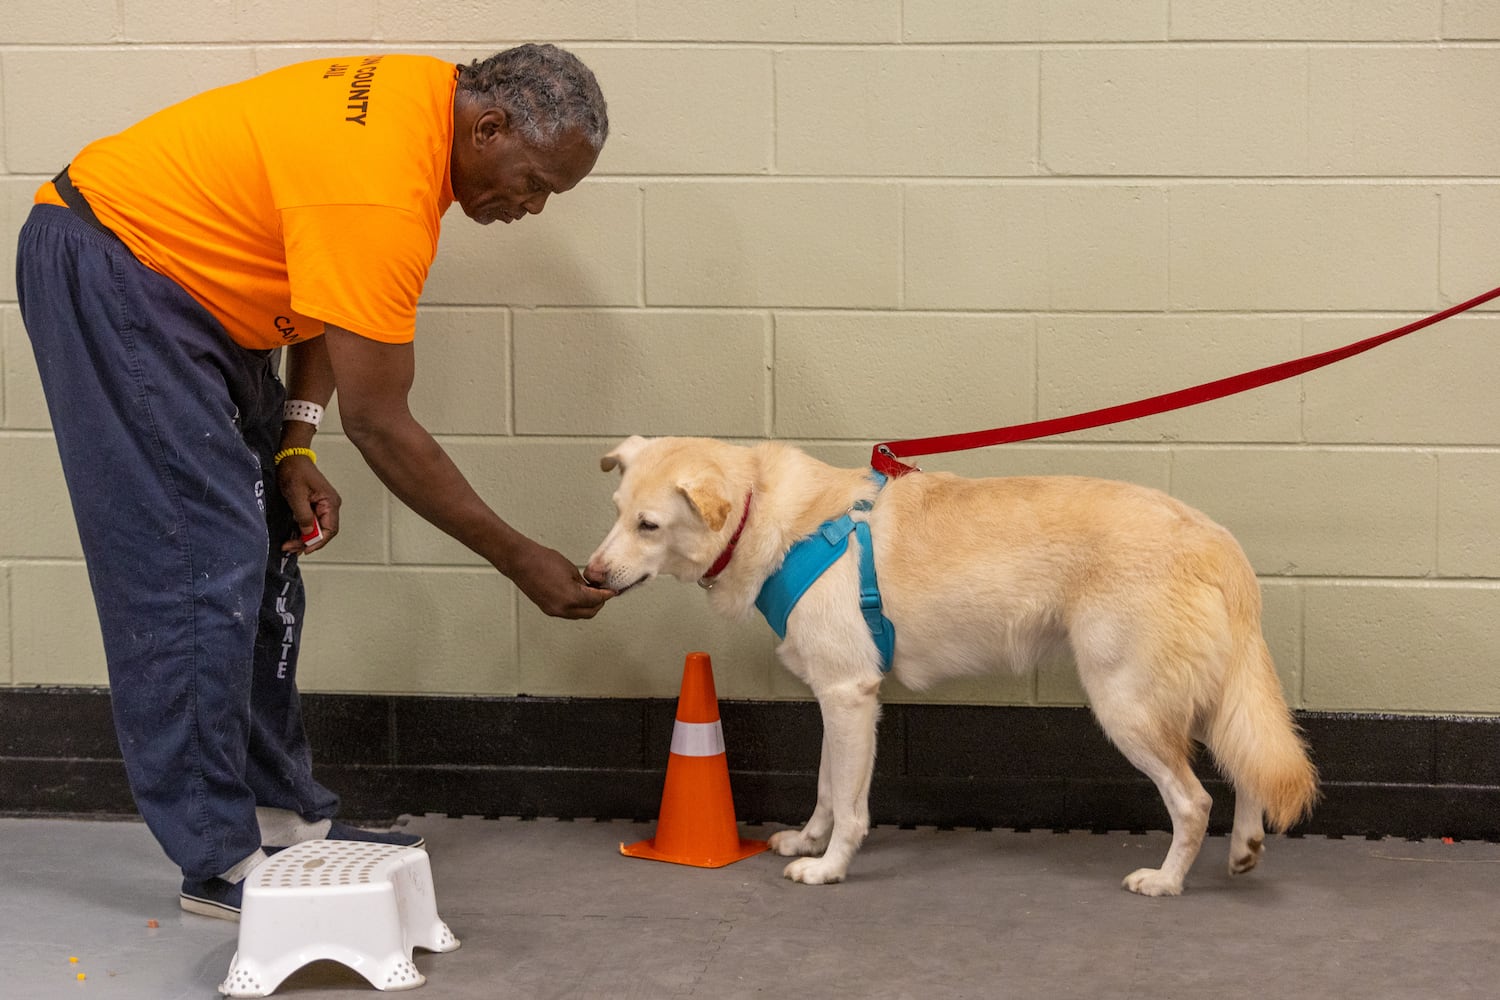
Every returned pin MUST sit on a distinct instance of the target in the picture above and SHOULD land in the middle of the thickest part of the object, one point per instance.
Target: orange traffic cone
(696, 825)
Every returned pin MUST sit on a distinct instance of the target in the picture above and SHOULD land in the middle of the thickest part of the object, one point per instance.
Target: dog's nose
(593, 576)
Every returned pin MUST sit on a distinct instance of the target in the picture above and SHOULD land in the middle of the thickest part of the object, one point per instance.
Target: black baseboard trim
(937, 765)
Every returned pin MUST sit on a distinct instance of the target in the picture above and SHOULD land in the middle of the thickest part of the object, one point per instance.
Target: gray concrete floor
(549, 909)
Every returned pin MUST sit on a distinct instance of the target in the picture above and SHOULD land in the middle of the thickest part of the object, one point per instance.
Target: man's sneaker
(212, 897)
(342, 831)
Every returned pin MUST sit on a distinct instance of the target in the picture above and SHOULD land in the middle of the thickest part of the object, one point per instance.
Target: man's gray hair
(546, 91)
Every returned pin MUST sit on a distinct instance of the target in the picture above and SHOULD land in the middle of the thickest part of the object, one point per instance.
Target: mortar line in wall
(1302, 383)
(515, 636)
(478, 566)
(1437, 513)
(1054, 179)
(1036, 366)
(1301, 646)
(768, 361)
(1438, 43)
(641, 295)
(1166, 223)
(1307, 107)
(7, 576)
(24, 433)
(510, 364)
(454, 569)
(1438, 263)
(1411, 582)
(1020, 180)
(775, 149)
(901, 273)
(513, 420)
(1078, 444)
(508, 314)
(1175, 447)
(1018, 311)
(1038, 166)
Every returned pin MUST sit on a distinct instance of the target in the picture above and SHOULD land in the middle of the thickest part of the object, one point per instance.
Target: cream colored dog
(1156, 603)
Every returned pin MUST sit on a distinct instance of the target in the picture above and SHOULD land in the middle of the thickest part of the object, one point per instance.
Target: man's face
(497, 175)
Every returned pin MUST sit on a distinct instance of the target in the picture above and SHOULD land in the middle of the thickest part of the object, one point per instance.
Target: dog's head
(674, 506)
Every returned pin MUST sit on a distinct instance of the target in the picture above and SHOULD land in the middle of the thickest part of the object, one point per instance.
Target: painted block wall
(852, 221)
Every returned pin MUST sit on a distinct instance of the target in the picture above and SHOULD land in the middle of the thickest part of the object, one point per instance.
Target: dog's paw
(1151, 882)
(813, 871)
(1242, 861)
(796, 843)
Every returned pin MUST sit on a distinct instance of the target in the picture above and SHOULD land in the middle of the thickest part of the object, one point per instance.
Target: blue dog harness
(809, 558)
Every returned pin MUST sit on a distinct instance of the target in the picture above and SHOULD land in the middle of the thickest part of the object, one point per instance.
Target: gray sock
(244, 868)
(283, 828)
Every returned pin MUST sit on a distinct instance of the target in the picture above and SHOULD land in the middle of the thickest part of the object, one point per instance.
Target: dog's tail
(1252, 734)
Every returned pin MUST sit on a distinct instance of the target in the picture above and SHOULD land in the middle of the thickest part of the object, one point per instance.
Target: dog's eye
(646, 526)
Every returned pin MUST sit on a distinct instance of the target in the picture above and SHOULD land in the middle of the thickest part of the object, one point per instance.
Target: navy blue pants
(166, 429)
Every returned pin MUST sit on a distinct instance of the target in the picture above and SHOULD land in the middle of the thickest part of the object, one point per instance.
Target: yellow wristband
(289, 452)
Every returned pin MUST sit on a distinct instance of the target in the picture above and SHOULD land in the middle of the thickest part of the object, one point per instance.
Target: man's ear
(490, 124)
(623, 453)
(707, 498)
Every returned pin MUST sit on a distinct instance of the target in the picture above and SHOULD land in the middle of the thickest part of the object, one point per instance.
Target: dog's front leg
(850, 712)
(812, 839)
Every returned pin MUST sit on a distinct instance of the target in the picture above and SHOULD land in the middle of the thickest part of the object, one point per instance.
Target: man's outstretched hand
(551, 581)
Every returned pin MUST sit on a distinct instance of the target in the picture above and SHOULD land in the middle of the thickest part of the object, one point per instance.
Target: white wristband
(301, 409)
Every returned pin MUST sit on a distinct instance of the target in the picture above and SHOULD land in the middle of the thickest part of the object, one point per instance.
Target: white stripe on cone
(697, 739)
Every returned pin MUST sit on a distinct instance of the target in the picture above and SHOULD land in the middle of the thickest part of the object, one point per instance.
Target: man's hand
(314, 502)
(555, 585)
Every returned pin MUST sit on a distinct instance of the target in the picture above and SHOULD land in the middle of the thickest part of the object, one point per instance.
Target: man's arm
(373, 381)
(314, 501)
(309, 372)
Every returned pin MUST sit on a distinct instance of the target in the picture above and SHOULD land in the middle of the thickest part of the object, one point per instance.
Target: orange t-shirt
(310, 194)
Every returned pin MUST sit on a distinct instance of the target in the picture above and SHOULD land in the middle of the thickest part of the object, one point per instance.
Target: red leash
(886, 457)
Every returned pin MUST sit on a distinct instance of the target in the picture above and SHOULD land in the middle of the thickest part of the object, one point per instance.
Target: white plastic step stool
(364, 905)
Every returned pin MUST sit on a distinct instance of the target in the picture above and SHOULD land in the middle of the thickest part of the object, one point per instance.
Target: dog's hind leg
(850, 713)
(1161, 754)
(1249, 836)
(1188, 805)
(812, 839)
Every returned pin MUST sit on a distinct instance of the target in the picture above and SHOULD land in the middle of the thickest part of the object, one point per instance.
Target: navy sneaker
(212, 897)
(342, 831)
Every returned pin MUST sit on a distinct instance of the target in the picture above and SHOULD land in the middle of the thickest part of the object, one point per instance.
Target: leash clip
(884, 462)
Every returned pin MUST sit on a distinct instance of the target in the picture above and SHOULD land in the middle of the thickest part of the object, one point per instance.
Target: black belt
(75, 200)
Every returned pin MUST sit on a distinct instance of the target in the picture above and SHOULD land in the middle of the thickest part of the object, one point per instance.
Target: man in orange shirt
(160, 275)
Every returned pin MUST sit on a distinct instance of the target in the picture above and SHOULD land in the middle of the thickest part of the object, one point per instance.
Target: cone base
(647, 849)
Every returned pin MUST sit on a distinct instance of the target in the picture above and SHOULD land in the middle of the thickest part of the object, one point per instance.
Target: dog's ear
(623, 453)
(708, 499)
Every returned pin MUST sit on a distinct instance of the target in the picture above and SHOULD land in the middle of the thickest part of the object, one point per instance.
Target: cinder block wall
(846, 222)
